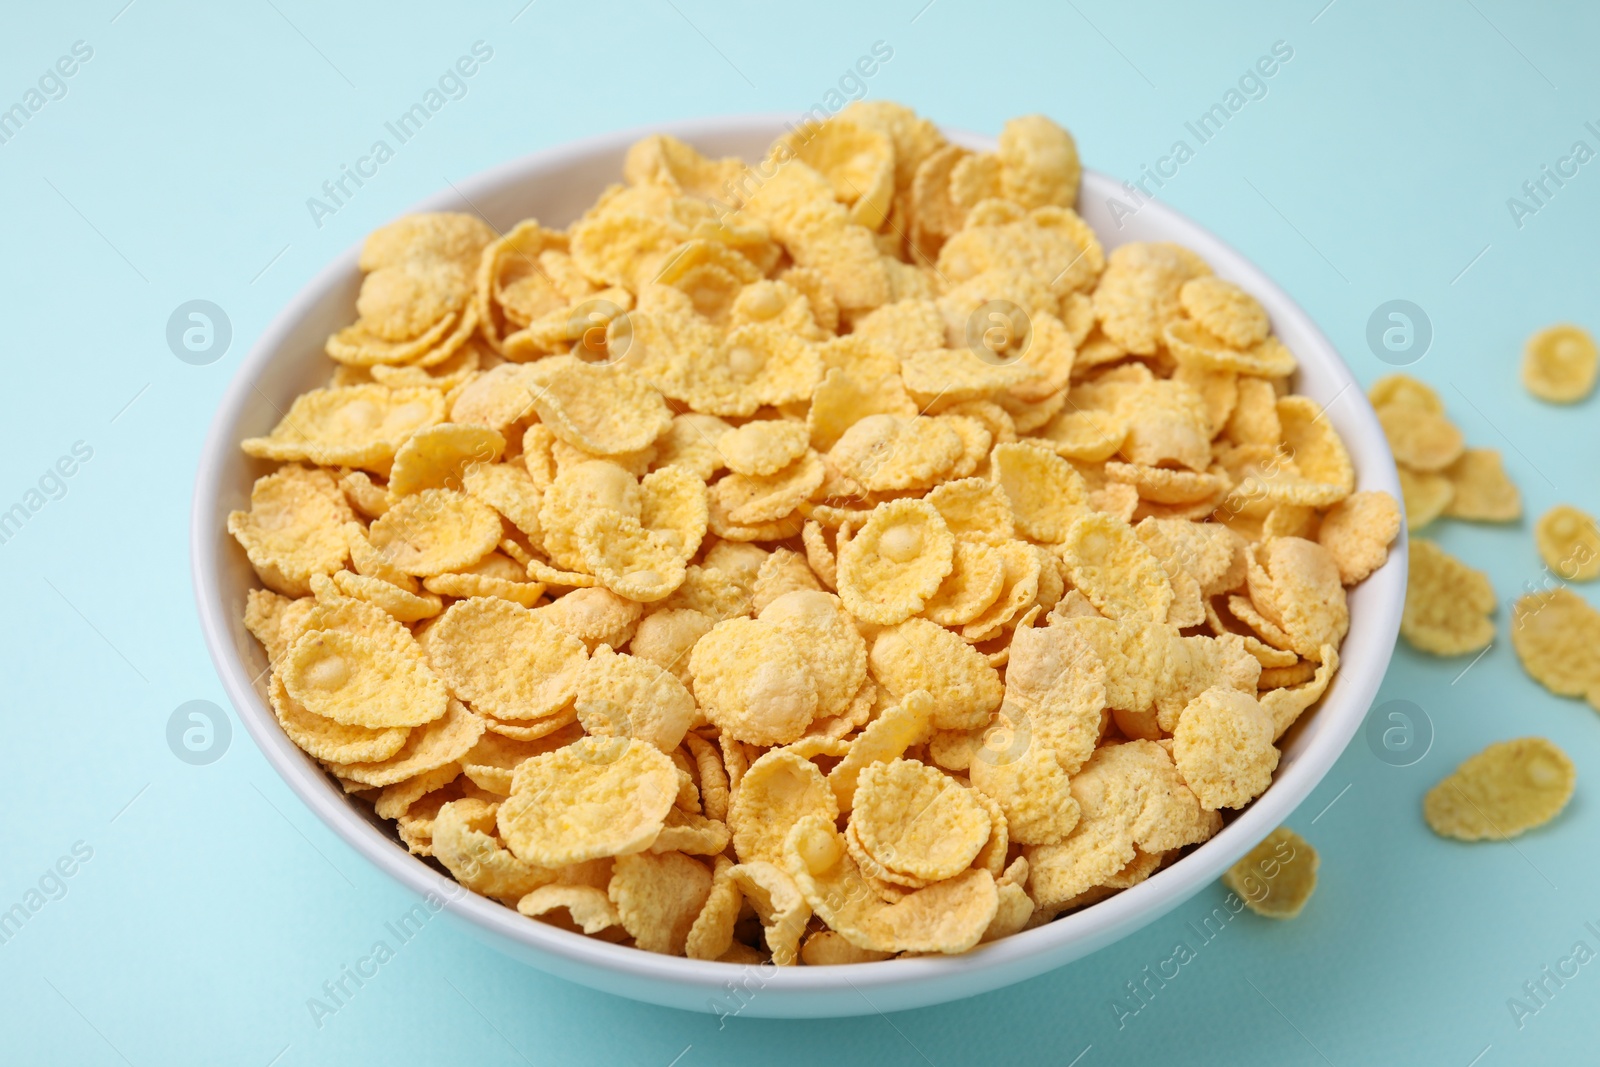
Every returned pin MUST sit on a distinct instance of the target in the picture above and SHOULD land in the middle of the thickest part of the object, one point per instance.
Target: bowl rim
(1013, 958)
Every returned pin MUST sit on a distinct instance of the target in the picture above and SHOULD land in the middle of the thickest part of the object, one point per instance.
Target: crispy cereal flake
(1505, 790)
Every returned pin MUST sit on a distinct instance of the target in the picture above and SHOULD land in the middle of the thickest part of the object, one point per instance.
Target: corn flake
(1559, 364)
(505, 660)
(1276, 878)
(753, 683)
(1569, 542)
(1503, 791)
(1448, 604)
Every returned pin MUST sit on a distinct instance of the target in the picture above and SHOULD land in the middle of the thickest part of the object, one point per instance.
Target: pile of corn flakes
(877, 567)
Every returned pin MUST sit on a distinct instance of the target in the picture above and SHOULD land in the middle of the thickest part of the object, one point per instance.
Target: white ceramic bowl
(556, 186)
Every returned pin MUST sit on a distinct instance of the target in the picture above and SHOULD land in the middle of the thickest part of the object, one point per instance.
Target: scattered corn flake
(975, 509)
(1569, 542)
(720, 523)
(1038, 163)
(1055, 696)
(1288, 703)
(843, 398)
(1448, 603)
(577, 492)
(784, 571)
(712, 777)
(1296, 673)
(946, 917)
(886, 737)
(1297, 585)
(635, 563)
(1505, 790)
(1277, 877)
(433, 745)
(601, 410)
(1421, 440)
(752, 500)
(1318, 454)
(666, 636)
(779, 905)
(1427, 495)
(559, 725)
(1483, 492)
(404, 605)
(1402, 390)
(1130, 797)
(355, 426)
(1167, 422)
(363, 494)
(510, 490)
(691, 442)
(798, 204)
(1030, 787)
(763, 447)
(492, 761)
(712, 932)
(1557, 637)
(692, 834)
(1138, 293)
(493, 575)
(1559, 364)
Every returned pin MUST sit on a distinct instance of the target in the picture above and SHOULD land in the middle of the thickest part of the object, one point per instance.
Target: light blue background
(177, 167)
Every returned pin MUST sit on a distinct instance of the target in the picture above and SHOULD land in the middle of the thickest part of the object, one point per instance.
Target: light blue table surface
(177, 165)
